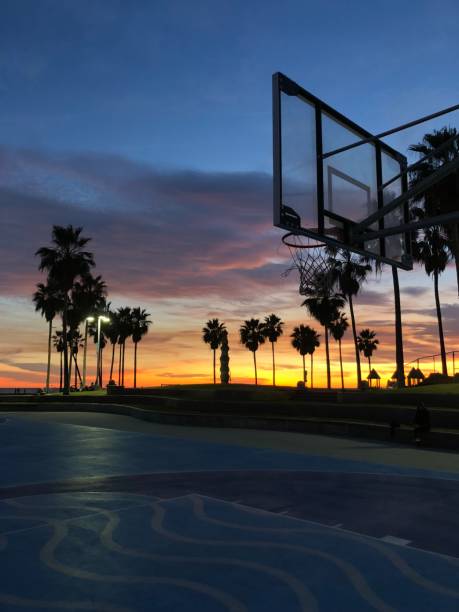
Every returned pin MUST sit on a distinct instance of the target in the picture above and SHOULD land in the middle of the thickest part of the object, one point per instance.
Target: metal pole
(450, 109)
(98, 351)
(83, 382)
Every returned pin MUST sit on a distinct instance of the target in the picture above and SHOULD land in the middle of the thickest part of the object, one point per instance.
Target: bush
(436, 378)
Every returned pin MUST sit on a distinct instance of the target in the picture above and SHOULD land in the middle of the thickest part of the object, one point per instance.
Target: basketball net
(309, 257)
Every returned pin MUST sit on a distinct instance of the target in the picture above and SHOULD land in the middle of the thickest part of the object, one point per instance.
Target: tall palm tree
(58, 342)
(125, 331)
(140, 325)
(324, 305)
(367, 343)
(305, 340)
(65, 262)
(112, 332)
(49, 302)
(443, 196)
(349, 273)
(337, 330)
(252, 335)
(212, 334)
(273, 329)
(433, 252)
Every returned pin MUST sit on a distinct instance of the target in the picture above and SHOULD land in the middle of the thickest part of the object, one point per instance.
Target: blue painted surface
(195, 553)
(119, 551)
(56, 452)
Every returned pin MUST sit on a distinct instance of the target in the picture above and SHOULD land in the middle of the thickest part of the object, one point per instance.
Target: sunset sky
(149, 124)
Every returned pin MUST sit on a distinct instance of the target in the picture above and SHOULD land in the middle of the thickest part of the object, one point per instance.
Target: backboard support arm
(399, 128)
(422, 186)
(408, 227)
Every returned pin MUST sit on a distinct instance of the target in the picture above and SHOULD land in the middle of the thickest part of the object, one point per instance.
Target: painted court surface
(106, 513)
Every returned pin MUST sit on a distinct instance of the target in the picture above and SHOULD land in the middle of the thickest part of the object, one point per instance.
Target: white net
(309, 257)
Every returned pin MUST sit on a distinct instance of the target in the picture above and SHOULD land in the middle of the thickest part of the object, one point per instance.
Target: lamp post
(100, 319)
(87, 320)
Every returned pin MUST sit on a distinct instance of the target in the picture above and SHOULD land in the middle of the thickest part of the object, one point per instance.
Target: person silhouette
(421, 422)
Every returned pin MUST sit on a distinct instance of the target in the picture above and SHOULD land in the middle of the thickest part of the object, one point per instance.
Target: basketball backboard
(326, 196)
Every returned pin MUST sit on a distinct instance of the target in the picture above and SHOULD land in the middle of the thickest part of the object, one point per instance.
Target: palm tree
(305, 340)
(324, 305)
(140, 325)
(434, 254)
(112, 332)
(125, 331)
(272, 328)
(212, 334)
(367, 343)
(65, 262)
(441, 197)
(58, 342)
(349, 273)
(252, 334)
(337, 329)
(49, 302)
(75, 343)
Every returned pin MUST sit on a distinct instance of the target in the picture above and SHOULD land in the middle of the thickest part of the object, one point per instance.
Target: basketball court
(97, 516)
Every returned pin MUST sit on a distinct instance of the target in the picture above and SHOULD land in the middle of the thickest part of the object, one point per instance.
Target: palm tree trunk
(341, 364)
(274, 366)
(135, 365)
(70, 365)
(48, 369)
(354, 334)
(113, 361)
(119, 365)
(101, 367)
(122, 367)
(66, 389)
(60, 374)
(327, 357)
(398, 330)
(255, 365)
(304, 370)
(312, 371)
(369, 365)
(440, 327)
(77, 371)
(215, 358)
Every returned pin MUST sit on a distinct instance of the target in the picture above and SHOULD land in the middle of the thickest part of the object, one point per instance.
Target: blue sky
(187, 84)
(149, 123)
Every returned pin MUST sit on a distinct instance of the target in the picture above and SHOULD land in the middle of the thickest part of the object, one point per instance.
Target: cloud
(415, 291)
(155, 234)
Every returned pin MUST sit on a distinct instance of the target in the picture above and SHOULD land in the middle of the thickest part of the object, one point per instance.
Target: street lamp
(100, 319)
(87, 320)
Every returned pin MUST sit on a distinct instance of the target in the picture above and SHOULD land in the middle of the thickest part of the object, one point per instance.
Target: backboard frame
(286, 218)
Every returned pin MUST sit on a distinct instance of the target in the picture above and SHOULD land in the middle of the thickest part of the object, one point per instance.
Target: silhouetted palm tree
(112, 332)
(140, 325)
(49, 302)
(212, 334)
(324, 305)
(273, 328)
(58, 342)
(252, 336)
(349, 273)
(367, 343)
(434, 254)
(443, 196)
(125, 331)
(65, 262)
(337, 330)
(305, 340)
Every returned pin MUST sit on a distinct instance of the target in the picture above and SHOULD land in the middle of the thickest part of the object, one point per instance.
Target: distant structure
(224, 360)
(374, 376)
(415, 377)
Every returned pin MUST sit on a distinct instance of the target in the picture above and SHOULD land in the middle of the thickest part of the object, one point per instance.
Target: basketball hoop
(309, 257)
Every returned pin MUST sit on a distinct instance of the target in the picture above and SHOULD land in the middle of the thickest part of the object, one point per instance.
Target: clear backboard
(325, 194)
